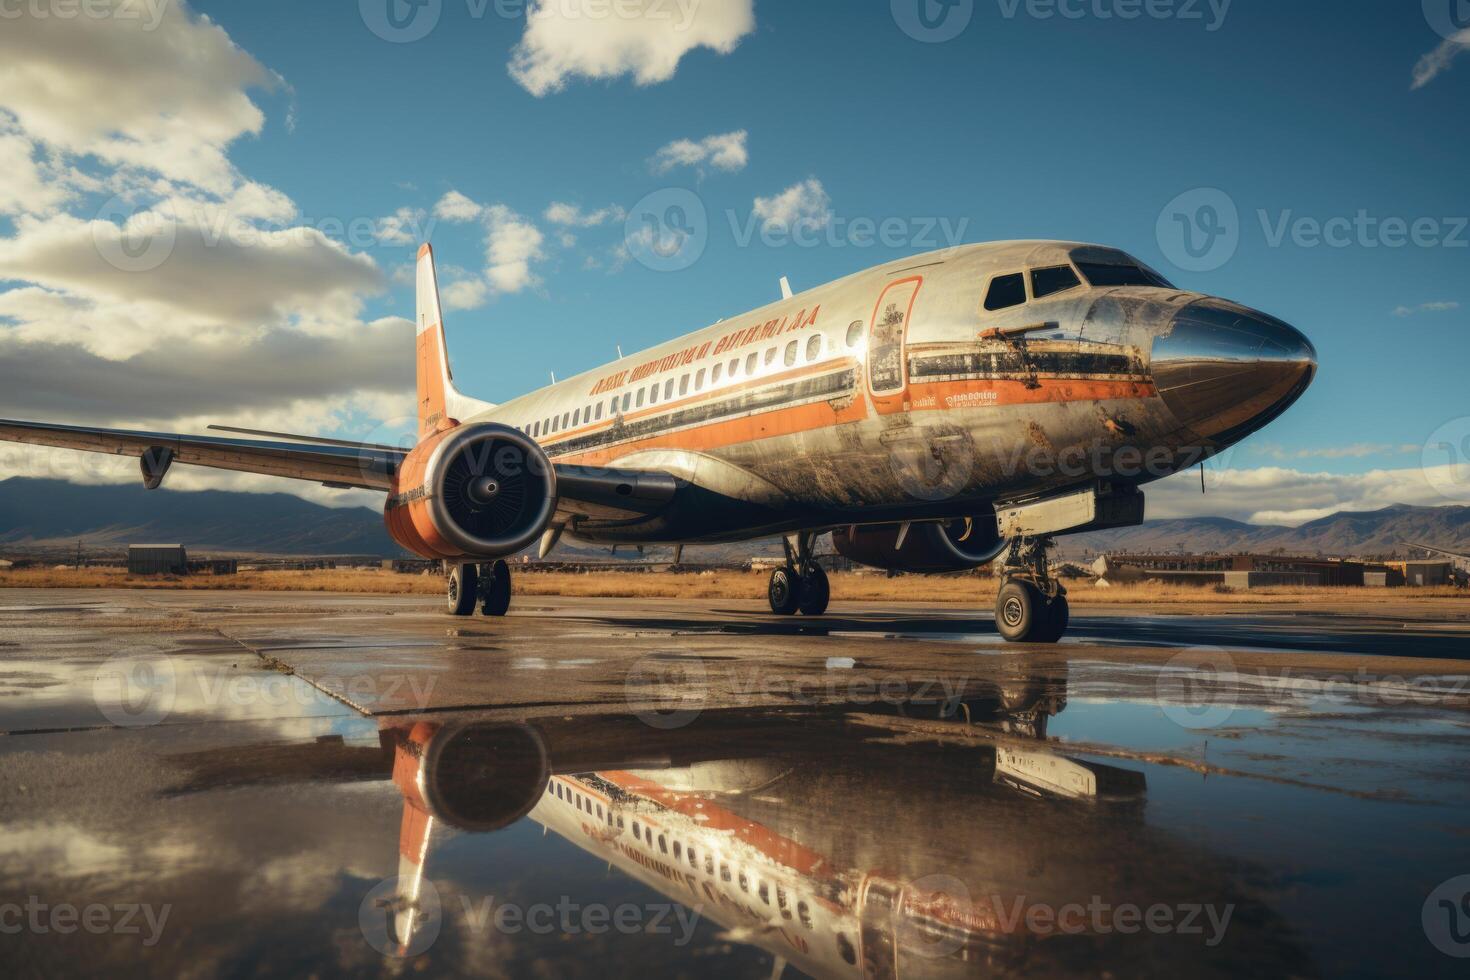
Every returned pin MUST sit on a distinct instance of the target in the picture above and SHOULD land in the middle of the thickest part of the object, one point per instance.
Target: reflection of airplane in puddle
(910, 843)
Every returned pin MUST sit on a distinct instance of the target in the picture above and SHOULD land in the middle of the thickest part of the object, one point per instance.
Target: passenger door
(887, 363)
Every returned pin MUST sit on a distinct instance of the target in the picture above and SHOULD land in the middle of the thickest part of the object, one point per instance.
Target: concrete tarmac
(283, 773)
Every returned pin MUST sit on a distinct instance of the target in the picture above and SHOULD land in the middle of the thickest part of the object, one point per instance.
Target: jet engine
(483, 777)
(477, 492)
(949, 546)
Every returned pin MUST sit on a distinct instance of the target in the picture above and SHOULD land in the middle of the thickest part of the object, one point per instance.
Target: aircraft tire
(816, 592)
(461, 589)
(495, 582)
(1023, 614)
(783, 593)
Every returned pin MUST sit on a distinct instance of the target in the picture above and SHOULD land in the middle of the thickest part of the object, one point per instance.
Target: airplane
(934, 414)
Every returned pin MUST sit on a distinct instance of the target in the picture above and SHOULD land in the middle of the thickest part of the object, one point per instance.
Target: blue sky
(1084, 126)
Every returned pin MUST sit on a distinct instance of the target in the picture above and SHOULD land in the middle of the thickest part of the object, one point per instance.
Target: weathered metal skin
(919, 404)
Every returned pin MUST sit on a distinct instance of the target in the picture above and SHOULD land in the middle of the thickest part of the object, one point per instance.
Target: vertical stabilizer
(440, 403)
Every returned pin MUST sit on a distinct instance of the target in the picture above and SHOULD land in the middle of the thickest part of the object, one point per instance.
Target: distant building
(157, 559)
(1425, 573)
(1237, 571)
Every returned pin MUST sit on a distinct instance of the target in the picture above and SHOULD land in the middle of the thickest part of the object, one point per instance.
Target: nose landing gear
(486, 586)
(801, 586)
(1031, 606)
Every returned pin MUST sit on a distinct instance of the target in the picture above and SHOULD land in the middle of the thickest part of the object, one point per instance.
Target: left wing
(342, 466)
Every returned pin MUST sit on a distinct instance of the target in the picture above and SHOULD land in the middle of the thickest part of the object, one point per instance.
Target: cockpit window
(1006, 291)
(1057, 279)
(1101, 274)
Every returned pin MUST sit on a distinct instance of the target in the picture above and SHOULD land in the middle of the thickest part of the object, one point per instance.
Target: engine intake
(476, 491)
(951, 546)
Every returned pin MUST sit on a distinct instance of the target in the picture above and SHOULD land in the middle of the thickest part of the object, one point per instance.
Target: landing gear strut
(1031, 606)
(801, 586)
(486, 586)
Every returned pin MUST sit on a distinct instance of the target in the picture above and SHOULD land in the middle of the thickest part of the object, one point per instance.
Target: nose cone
(1225, 371)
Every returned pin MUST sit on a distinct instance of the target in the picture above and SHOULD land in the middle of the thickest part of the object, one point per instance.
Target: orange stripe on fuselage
(922, 397)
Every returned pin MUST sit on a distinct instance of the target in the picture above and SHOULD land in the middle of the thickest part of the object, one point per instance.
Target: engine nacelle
(477, 492)
(951, 546)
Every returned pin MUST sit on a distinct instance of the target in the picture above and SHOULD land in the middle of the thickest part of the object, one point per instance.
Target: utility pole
(79, 555)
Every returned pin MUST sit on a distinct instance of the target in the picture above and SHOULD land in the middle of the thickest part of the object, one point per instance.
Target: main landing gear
(1031, 606)
(801, 586)
(486, 586)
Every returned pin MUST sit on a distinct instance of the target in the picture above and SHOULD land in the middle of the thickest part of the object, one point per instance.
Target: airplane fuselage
(931, 387)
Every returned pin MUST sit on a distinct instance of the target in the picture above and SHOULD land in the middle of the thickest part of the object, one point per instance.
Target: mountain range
(52, 514)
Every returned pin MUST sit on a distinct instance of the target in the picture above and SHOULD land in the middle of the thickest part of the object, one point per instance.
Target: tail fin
(440, 403)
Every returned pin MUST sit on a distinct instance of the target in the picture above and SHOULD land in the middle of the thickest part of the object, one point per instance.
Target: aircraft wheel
(461, 590)
(1023, 614)
(816, 592)
(495, 582)
(783, 593)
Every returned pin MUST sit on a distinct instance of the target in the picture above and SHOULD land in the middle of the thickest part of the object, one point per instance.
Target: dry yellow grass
(961, 589)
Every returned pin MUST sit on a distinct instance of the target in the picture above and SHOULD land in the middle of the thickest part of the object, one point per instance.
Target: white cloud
(803, 205)
(465, 294)
(456, 207)
(406, 226)
(1357, 450)
(166, 96)
(1438, 307)
(1438, 61)
(1279, 495)
(26, 187)
(512, 244)
(726, 151)
(561, 213)
(642, 38)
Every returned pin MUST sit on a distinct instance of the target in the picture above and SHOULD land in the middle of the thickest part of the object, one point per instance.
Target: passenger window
(684, 385)
(814, 347)
(668, 389)
(716, 372)
(790, 357)
(699, 380)
(804, 913)
(641, 394)
(750, 364)
(1058, 279)
(637, 831)
(854, 333)
(566, 420)
(709, 865)
(663, 844)
(678, 850)
(724, 872)
(1006, 291)
(744, 882)
(770, 357)
(577, 417)
(599, 411)
(627, 401)
(653, 394)
(764, 891)
(693, 859)
(734, 366)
